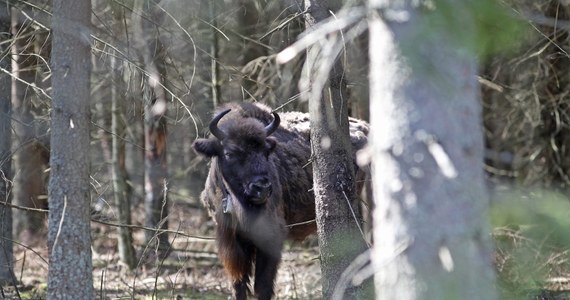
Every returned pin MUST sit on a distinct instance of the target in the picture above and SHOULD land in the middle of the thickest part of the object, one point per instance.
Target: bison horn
(214, 125)
(269, 129)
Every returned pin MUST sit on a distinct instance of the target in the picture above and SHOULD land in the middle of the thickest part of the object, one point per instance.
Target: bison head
(242, 147)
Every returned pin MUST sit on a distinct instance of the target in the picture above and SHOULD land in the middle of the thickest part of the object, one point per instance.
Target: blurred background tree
(6, 248)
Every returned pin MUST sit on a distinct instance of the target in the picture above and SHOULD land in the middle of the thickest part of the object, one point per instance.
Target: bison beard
(260, 181)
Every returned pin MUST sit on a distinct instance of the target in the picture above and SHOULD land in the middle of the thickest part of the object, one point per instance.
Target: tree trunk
(6, 245)
(156, 172)
(333, 169)
(30, 156)
(430, 229)
(214, 51)
(69, 240)
(121, 190)
(248, 20)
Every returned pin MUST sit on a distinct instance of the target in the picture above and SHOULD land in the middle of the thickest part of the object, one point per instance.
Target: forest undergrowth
(190, 271)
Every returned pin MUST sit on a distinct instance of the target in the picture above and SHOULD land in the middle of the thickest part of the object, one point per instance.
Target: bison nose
(259, 190)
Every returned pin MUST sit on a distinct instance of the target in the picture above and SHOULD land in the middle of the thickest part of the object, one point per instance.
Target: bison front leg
(240, 288)
(239, 265)
(237, 257)
(265, 273)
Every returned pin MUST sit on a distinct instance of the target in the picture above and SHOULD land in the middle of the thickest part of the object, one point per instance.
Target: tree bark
(31, 156)
(121, 190)
(214, 51)
(248, 20)
(69, 240)
(333, 169)
(6, 245)
(430, 229)
(155, 107)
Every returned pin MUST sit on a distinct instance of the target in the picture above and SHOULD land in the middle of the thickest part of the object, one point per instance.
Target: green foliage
(540, 215)
(495, 27)
(442, 29)
(531, 233)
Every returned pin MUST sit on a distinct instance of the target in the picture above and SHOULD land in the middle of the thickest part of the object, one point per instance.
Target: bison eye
(232, 155)
(229, 155)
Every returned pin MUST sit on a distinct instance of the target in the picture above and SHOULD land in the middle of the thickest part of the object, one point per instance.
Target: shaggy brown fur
(251, 228)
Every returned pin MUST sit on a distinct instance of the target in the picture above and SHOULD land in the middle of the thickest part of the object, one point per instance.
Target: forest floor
(530, 267)
(191, 270)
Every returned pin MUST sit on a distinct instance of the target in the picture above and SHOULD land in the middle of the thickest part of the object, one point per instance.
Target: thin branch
(283, 24)
(215, 27)
(31, 85)
(356, 220)
(332, 24)
(301, 223)
(27, 247)
(357, 264)
(95, 220)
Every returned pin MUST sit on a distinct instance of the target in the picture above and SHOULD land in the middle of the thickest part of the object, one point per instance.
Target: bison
(259, 188)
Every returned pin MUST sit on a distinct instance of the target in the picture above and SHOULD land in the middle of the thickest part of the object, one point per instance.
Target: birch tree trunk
(430, 221)
(69, 239)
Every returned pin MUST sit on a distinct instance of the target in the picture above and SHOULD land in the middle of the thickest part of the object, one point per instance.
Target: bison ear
(207, 147)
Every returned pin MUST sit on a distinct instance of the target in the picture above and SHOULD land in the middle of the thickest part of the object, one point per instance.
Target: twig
(301, 223)
(11, 271)
(283, 24)
(323, 29)
(357, 264)
(39, 210)
(25, 246)
(356, 219)
(158, 231)
(543, 20)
